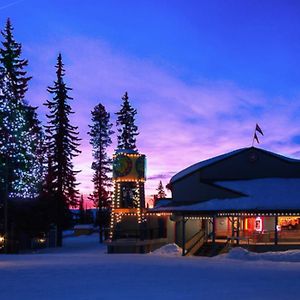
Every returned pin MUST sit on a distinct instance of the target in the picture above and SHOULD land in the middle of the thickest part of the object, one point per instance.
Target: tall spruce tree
(12, 63)
(38, 146)
(127, 141)
(21, 133)
(100, 140)
(62, 146)
(126, 125)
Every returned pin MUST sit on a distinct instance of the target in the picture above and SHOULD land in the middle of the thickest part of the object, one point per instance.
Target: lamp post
(6, 208)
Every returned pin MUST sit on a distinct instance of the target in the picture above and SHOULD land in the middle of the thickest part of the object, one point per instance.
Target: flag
(257, 128)
(256, 138)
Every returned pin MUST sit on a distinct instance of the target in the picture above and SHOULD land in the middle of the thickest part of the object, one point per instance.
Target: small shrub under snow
(168, 250)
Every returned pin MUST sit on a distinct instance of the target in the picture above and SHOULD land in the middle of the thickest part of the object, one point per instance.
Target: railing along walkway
(195, 242)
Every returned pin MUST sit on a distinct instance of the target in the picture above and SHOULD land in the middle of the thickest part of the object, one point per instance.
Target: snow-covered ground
(83, 270)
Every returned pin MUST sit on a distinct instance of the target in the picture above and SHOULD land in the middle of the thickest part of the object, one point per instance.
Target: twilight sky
(200, 73)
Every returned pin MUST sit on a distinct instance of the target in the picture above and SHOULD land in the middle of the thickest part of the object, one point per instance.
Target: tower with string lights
(128, 206)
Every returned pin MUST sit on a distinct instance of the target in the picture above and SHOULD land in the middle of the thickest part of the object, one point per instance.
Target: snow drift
(280, 256)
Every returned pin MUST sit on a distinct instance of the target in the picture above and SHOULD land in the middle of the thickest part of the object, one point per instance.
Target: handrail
(226, 246)
(267, 237)
(200, 230)
(198, 240)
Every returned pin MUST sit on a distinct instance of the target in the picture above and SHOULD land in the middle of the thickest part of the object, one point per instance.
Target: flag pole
(253, 136)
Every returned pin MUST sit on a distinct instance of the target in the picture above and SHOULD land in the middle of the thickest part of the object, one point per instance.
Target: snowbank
(84, 226)
(81, 269)
(168, 250)
(68, 233)
(282, 256)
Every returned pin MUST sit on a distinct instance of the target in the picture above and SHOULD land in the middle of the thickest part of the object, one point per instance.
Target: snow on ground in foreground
(83, 270)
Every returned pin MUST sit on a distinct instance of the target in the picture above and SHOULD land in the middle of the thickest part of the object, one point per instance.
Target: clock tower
(128, 207)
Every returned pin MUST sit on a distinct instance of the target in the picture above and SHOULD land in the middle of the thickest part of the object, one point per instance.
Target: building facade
(248, 197)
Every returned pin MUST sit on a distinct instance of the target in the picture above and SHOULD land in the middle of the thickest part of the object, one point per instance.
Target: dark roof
(202, 164)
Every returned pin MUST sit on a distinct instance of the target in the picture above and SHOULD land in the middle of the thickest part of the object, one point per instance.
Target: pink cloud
(180, 123)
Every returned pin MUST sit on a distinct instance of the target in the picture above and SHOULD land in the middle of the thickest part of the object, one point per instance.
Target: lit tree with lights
(100, 140)
(126, 125)
(62, 146)
(37, 174)
(21, 134)
(21, 170)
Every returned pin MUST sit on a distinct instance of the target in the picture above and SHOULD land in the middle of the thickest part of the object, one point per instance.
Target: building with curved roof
(247, 196)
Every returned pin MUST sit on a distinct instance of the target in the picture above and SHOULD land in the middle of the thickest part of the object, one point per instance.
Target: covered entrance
(222, 231)
(248, 197)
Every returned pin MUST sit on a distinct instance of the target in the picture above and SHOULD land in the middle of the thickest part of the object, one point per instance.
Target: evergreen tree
(126, 125)
(127, 141)
(161, 191)
(20, 129)
(12, 64)
(62, 146)
(36, 169)
(100, 140)
(20, 132)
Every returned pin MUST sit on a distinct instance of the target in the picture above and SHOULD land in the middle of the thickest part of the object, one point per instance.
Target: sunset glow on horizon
(201, 74)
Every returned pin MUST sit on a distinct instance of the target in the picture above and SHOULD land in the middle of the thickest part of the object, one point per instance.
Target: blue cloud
(296, 139)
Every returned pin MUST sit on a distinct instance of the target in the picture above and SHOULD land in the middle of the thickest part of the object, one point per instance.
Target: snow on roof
(128, 151)
(215, 159)
(263, 194)
(162, 202)
(84, 226)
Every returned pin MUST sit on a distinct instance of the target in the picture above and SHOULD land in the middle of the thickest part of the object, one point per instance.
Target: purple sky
(200, 75)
